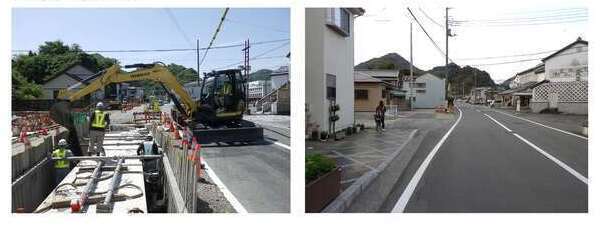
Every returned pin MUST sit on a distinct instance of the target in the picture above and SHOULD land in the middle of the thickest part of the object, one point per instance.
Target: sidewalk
(362, 157)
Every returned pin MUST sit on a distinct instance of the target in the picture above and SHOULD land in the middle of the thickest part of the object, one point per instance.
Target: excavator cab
(222, 99)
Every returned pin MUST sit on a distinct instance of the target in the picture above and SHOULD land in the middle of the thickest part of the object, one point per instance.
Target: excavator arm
(152, 72)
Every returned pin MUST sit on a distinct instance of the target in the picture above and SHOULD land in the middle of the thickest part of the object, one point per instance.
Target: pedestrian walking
(99, 120)
(379, 116)
(61, 165)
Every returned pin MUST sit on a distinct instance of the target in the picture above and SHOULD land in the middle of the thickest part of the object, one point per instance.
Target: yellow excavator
(216, 117)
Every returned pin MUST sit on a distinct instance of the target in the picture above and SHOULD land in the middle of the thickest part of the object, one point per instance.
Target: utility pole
(246, 51)
(411, 82)
(447, 35)
(198, 62)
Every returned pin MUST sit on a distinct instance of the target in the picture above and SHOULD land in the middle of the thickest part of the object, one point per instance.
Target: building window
(55, 94)
(339, 20)
(421, 91)
(361, 94)
(419, 85)
(330, 87)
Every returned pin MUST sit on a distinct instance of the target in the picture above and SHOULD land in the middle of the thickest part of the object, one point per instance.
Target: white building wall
(328, 52)
(564, 66)
(339, 61)
(434, 91)
(315, 89)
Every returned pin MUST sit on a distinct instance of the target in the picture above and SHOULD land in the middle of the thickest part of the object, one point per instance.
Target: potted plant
(322, 179)
(324, 135)
(315, 135)
(349, 131)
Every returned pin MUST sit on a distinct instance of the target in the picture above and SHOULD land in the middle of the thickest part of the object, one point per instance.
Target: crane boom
(152, 72)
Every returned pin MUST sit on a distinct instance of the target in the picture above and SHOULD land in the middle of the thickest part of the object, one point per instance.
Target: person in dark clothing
(149, 147)
(379, 116)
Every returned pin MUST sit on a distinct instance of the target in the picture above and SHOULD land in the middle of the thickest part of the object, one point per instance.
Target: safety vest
(61, 163)
(98, 121)
(147, 148)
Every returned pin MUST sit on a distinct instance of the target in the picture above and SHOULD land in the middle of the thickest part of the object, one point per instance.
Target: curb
(346, 198)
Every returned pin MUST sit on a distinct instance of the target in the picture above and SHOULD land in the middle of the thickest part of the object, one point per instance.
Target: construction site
(141, 138)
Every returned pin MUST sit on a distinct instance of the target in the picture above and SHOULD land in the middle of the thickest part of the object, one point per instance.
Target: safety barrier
(181, 167)
(146, 116)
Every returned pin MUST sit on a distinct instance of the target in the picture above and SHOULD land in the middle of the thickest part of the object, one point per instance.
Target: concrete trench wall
(32, 173)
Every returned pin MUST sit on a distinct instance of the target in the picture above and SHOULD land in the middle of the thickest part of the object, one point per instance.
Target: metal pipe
(114, 181)
(90, 184)
(77, 158)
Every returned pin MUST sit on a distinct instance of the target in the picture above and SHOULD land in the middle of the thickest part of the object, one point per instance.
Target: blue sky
(384, 28)
(153, 28)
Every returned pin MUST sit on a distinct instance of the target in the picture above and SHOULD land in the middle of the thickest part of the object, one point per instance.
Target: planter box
(320, 192)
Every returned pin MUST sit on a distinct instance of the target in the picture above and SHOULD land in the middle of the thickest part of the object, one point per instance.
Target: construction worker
(148, 147)
(99, 120)
(61, 165)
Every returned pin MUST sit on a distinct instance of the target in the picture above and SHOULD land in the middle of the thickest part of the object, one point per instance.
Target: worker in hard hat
(148, 147)
(99, 120)
(61, 165)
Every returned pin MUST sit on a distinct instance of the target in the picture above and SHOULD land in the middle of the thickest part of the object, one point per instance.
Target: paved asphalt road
(482, 167)
(257, 175)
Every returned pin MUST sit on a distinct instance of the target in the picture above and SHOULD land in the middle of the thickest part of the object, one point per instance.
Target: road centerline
(411, 187)
(544, 153)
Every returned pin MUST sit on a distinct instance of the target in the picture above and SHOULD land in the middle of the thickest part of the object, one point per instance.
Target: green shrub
(317, 165)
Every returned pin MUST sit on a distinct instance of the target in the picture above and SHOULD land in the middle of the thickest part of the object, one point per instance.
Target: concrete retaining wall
(32, 174)
(537, 107)
(578, 108)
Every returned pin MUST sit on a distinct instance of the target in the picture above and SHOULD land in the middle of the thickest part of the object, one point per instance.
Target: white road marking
(411, 187)
(228, 195)
(502, 125)
(549, 156)
(281, 145)
(549, 127)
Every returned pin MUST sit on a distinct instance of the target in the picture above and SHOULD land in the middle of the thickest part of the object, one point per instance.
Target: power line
(431, 19)
(178, 27)
(254, 57)
(218, 29)
(521, 60)
(524, 19)
(545, 12)
(527, 24)
(427, 34)
(508, 56)
(172, 49)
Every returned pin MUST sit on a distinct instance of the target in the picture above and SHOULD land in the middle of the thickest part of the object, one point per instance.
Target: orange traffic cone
(177, 135)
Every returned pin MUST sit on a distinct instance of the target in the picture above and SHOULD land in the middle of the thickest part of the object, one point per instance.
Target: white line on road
(549, 127)
(411, 187)
(549, 156)
(502, 125)
(228, 195)
(281, 145)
